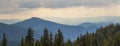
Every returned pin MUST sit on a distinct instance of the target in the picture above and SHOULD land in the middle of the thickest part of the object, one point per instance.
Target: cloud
(71, 15)
(29, 5)
(55, 3)
(8, 4)
(76, 12)
(22, 5)
(84, 10)
(13, 10)
(69, 12)
(77, 21)
(71, 3)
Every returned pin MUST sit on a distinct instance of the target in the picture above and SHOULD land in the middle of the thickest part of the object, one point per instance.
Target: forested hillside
(104, 36)
(107, 36)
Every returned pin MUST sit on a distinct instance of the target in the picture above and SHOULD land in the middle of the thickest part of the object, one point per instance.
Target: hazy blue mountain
(69, 32)
(13, 33)
(38, 25)
(18, 30)
(91, 27)
(89, 24)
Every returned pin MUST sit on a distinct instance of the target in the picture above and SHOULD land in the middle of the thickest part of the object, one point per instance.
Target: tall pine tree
(60, 39)
(4, 41)
(22, 42)
(51, 39)
(68, 43)
(55, 40)
(45, 41)
(37, 43)
(29, 40)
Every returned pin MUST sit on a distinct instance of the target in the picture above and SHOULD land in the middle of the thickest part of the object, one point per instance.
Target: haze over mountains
(70, 21)
(38, 26)
(18, 30)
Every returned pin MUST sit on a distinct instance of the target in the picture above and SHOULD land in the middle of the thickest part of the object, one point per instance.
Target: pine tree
(55, 40)
(41, 40)
(37, 43)
(29, 40)
(60, 39)
(4, 41)
(22, 42)
(51, 40)
(78, 41)
(68, 43)
(45, 38)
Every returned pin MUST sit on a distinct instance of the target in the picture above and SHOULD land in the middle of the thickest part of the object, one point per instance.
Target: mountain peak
(88, 23)
(35, 18)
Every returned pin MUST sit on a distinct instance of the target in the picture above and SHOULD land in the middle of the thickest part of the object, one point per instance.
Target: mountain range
(18, 30)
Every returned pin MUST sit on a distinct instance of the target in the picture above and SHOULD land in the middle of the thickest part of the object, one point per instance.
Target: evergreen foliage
(29, 40)
(4, 41)
(104, 36)
(45, 41)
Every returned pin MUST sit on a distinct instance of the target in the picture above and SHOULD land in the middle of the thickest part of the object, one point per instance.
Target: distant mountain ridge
(88, 24)
(34, 20)
(18, 30)
(13, 33)
(38, 25)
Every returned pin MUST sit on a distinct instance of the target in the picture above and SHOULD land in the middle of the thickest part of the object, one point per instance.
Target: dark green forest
(104, 36)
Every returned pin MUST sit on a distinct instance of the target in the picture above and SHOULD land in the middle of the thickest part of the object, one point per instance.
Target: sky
(69, 12)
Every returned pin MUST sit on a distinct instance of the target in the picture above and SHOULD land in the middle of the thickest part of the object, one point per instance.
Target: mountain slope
(88, 24)
(13, 33)
(18, 30)
(10, 30)
(91, 27)
(38, 25)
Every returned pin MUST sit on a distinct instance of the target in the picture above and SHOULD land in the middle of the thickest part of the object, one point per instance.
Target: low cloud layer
(13, 6)
(69, 12)
(55, 3)
(47, 9)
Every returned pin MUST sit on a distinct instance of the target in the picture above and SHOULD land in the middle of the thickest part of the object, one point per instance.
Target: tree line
(104, 36)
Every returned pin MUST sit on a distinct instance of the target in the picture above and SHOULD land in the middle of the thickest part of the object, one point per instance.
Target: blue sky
(77, 11)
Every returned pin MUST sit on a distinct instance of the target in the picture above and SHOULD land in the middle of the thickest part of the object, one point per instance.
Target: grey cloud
(7, 12)
(68, 3)
(8, 4)
(12, 10)
(55, 3)
(18, 4)
(29, 5)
